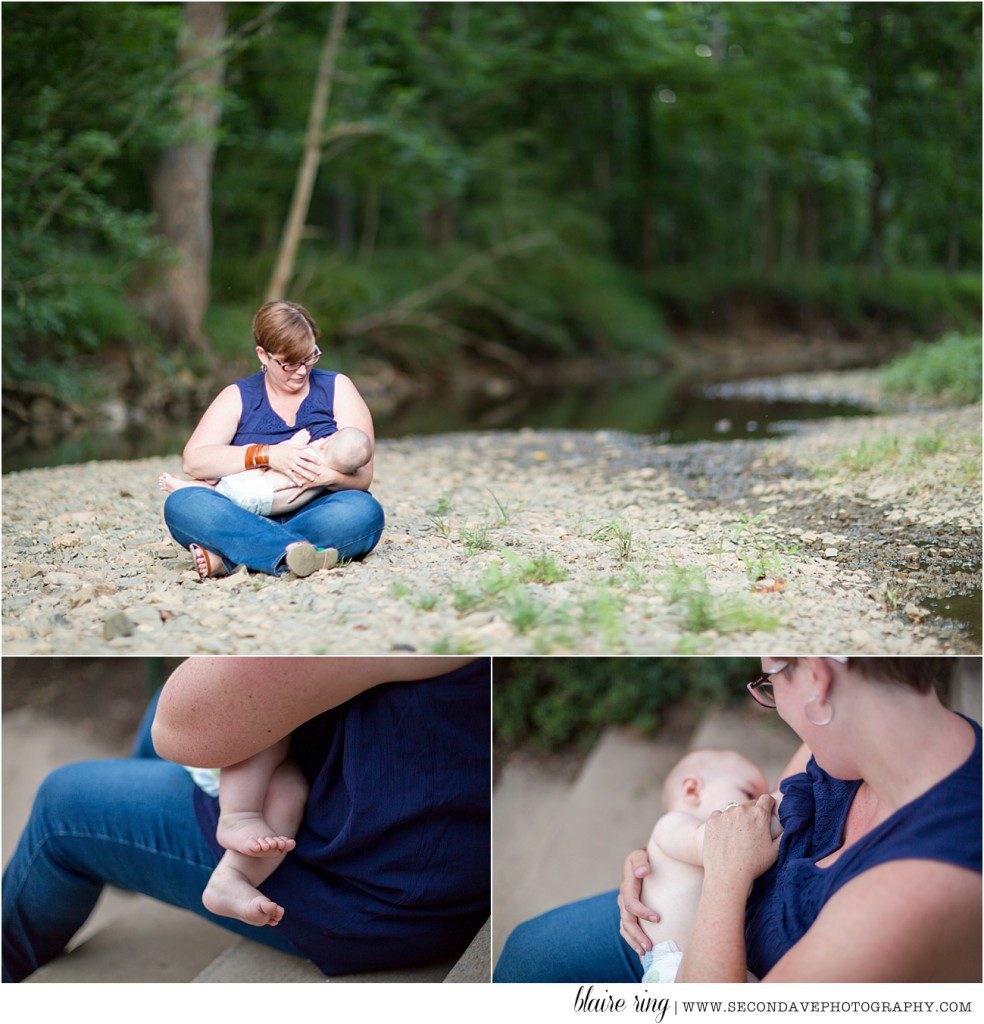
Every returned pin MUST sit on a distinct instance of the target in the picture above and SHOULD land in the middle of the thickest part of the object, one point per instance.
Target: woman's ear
(691, 790)
(821, 676)
(261, 354)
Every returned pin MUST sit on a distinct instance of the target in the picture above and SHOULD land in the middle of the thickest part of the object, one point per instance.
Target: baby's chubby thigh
(252, 490)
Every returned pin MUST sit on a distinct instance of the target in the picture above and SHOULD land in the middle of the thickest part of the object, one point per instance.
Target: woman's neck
(907, 743)
(285, 399)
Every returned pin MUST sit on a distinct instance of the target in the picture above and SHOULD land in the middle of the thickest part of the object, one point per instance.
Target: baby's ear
(691, 789)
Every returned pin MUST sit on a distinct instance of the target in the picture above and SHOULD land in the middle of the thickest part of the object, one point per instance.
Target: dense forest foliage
(503, 180)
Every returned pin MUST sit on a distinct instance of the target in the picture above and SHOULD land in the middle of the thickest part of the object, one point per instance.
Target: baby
(261, 805)
(702, 782)
(270, 493)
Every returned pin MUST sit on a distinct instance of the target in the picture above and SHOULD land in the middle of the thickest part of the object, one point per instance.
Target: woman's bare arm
(908, 921)
(208, 455)
(214, 712)
(738, 847)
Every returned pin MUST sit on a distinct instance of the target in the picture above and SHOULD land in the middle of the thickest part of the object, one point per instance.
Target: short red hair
(285, 329)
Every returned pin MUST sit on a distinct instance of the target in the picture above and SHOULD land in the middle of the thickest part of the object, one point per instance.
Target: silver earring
(262, 367)
(826, 705)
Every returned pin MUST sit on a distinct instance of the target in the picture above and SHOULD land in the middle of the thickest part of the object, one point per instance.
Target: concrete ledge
(475, 964)
(249, 961)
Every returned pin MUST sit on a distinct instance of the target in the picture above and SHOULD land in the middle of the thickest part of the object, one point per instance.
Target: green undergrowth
(890, 452)
(755, 543)
(549, 703)
(947, 371)
(697, 610)
(925, 300)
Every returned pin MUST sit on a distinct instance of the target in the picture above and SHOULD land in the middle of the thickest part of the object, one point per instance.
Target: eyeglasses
(761, 687)
(294, 367)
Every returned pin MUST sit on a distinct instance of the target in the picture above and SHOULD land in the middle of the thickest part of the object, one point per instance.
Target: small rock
(914, 612)
(29, 570)
(117, 624)
(83, 596)
(67, 540)
(61, 579)
(910, 555)
(234, 579)
(830, 553)
(859, 638)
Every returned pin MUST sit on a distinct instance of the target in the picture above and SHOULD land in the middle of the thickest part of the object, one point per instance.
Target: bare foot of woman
(229, 894)
(246, 832)
(209, 565)
(169, 483)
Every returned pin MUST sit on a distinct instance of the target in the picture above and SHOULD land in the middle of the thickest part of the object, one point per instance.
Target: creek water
(673, 413)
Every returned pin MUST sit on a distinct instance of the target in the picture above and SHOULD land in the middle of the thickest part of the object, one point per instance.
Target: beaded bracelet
(257, 455)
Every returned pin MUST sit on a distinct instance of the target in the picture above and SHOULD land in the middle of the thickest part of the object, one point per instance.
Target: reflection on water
(649, 405)
(965, 609)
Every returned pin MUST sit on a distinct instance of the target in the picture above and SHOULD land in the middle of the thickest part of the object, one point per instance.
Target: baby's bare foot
(246, 832)
(229, 894)
(301, 438)
(169, 483)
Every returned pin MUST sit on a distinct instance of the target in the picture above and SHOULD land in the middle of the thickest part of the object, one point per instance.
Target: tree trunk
(767, 222)
(308, 170)
(370, 223)
(809, 223)
(181, 183)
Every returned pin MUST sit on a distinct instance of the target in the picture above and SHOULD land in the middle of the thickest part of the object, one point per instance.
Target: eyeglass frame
(766, 677)
(294, 367)
(760, 680)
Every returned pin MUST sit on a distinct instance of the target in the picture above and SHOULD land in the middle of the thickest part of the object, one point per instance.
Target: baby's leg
(169, 483)
(232, 889)
(243, 792)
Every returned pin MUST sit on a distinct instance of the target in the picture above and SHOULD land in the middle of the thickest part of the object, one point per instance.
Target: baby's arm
(680, 836)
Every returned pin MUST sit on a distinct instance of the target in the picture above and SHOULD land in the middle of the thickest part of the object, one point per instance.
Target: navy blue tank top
(392, 864)
(259, 424)
(944, 824)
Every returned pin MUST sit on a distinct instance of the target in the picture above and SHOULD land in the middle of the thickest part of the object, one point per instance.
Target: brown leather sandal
(214, 566)
(304, 558)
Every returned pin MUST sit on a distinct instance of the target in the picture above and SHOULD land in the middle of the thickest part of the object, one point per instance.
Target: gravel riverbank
(541, 541)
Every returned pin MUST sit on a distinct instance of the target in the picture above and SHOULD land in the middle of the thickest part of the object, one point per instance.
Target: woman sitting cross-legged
(282, 461)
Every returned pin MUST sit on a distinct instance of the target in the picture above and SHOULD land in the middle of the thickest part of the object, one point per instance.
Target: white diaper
(661, 963)
(251, 490)
(206, 779)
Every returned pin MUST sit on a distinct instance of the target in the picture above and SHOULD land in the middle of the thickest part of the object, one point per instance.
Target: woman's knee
(363, 505)
(351, 521)
(520, 959)
(61, 793)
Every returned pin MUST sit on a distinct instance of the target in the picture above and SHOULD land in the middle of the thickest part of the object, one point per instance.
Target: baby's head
(708, 780)
(350, 449)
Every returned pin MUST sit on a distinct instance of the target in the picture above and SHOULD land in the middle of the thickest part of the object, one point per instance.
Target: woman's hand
(630, 905)
(302, 466)
(738, 843)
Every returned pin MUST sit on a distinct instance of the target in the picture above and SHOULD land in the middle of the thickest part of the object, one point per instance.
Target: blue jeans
(129, 823)
(578, 942)
(349, 521)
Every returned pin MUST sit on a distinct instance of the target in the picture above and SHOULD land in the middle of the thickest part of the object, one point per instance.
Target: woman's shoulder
(249, 384)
